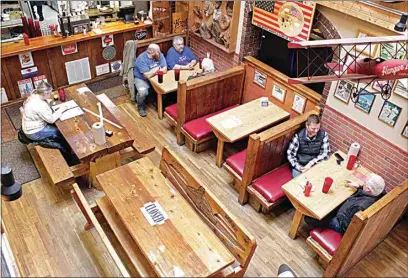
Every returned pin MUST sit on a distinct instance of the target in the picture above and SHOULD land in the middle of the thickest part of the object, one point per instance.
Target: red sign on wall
(107, 40)
(69, 49)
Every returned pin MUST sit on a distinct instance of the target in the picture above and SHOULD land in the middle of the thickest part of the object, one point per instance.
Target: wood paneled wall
(253, 90)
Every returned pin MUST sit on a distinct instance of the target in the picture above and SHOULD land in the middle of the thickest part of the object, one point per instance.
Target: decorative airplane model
(366, 70)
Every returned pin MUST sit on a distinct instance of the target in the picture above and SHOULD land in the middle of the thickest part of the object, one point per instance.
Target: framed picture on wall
(343, 91)
(378, 84)
(405, 131)
(260, 79)
(389, 113)
(299, 103)
(401, 87)
(278, 93)
(392, 51)
(365, 101)
(367, 49)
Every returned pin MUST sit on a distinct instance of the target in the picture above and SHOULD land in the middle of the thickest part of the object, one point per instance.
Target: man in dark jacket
(363, 198)
(308, 147)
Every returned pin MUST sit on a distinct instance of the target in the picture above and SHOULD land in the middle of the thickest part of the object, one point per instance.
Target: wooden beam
(365, 12)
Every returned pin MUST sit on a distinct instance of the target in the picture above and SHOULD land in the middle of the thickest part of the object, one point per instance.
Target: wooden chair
(232, 234)
(204, 96)
(367, 229)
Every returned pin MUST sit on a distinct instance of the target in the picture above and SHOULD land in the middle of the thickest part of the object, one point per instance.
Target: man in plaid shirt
(308, 147)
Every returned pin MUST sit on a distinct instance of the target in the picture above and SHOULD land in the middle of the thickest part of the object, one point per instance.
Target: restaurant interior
(204, 138)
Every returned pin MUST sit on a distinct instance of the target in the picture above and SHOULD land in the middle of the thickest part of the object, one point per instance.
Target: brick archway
(328, 32)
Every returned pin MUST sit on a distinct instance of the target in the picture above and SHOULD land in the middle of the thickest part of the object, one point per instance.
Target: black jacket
(359, 201)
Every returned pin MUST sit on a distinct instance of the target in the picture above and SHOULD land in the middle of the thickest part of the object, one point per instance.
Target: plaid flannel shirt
(294, 147)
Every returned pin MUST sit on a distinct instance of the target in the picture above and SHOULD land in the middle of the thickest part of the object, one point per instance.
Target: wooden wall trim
(162, 39)
(40, 43)
(280, 77)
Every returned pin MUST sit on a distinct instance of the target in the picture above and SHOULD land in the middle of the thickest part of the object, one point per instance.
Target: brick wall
(249, 45)
(376, 153)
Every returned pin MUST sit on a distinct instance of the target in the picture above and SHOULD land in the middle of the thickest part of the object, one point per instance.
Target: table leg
(297, 219)
(160, 106)
(220, 151)
(101, 165)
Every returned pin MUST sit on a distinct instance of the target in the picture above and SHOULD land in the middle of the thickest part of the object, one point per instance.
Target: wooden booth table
(181, 246)
(169, 85)
(242, 121)
(319, 204)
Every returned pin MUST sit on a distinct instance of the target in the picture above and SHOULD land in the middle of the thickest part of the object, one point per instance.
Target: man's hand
(302, 169)
(350, 183)
(307, 167)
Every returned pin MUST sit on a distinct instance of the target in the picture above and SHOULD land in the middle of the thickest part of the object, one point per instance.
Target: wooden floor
(45, 228)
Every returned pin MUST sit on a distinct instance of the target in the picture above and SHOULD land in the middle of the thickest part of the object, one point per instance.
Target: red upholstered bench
(236, 162)
(325, 243)
(267, 190)
(171, 113)
(198, 130)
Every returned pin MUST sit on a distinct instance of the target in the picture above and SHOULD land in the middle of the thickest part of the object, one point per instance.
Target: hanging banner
(289, 20)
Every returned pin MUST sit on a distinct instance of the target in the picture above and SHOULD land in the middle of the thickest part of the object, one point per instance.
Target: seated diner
(204, 139)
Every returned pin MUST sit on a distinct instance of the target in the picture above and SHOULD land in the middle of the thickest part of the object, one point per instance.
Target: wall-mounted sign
(3, 95)
(26, 73)
(109, 53)
(102, 69)
(140, 34)
(107, 40)
(179, 24)
(116, 66)
(38, 79)
(289, 20)
(25, 86)
(26, 60)
(69, 48)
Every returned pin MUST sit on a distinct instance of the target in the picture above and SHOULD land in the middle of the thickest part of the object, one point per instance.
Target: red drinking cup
(200, 60)
(61, 94)
(308, 188)
(160, 76)
(327, 184)
(177, 74)
(351, 162)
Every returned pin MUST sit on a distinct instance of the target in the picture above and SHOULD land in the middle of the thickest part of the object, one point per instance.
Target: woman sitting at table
(363, 198)
(38, 118)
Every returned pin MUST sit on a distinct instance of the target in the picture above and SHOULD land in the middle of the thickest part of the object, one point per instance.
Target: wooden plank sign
(179, 22)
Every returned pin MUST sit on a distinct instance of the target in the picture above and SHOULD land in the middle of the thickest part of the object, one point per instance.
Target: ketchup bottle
(26, 39)
(308, 188)
(61, 94)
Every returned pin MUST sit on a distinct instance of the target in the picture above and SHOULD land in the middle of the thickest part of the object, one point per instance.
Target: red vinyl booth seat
(237, 162)
(199, 128)
(172, 111)
(328, 239)
(270, 184)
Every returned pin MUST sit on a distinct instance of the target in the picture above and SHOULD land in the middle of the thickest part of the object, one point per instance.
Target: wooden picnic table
(78, 130)
(169, 85)
(319, 204)
(239, 122)
(181, 246)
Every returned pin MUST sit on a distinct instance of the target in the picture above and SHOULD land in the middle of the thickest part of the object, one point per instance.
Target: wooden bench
(265, 160)
(52, 165)
(367, 229)
(205, 96)
(231, 233)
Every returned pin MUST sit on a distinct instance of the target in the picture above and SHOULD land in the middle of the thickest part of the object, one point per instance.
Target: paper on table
(83, 90)
(231, 122)
(76, 111)
(69, 104)
(97, 31)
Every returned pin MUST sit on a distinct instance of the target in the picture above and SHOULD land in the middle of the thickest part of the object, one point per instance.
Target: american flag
(266, 16)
